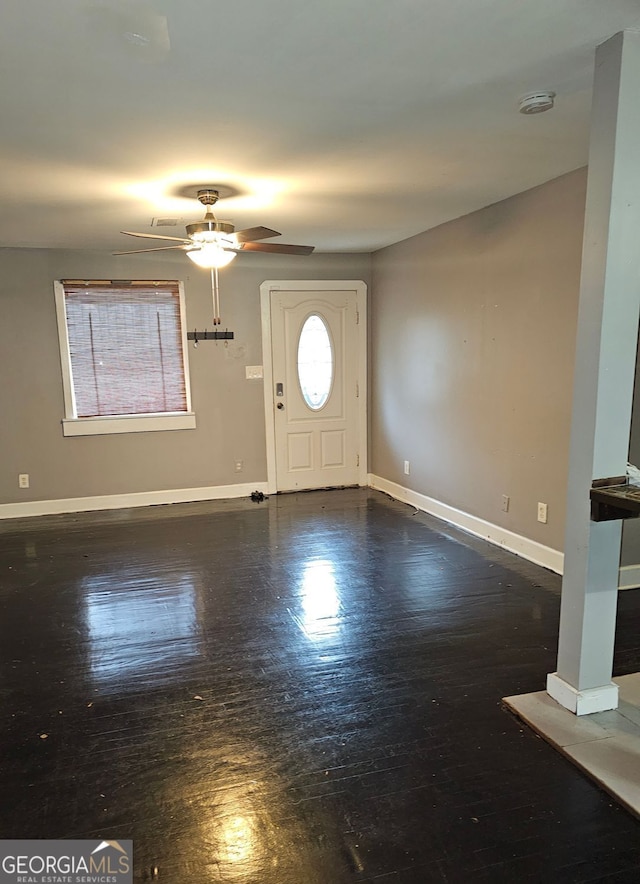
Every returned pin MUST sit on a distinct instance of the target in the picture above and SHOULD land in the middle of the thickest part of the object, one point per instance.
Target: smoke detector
(536, 102)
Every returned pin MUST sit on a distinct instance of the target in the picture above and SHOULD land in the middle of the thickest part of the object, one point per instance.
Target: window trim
(121, 423)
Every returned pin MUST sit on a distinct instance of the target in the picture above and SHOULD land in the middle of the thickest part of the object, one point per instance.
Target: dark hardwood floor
(300, 691)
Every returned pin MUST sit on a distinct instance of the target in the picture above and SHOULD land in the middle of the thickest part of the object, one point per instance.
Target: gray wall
(472, 349)
(229, 409)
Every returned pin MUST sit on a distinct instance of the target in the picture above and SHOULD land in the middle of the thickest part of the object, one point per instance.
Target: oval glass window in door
(315, 362)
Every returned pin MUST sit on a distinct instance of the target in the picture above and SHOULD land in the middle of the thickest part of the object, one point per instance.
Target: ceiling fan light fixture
(211, 255)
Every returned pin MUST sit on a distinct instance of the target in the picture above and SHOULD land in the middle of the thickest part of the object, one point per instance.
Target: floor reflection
(138, 628)
(235, 845)
(237, 840)
(321, 607)
(236, 813)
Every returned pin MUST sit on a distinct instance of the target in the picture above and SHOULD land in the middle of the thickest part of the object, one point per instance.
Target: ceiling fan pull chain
(215, 270)
(215, 294)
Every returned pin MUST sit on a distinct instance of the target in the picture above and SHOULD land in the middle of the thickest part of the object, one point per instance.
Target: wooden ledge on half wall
(614, 498)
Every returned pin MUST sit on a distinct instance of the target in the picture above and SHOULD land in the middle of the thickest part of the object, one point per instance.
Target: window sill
(146, 423)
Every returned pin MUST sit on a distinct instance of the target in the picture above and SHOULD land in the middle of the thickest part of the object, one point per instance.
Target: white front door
(316, 387)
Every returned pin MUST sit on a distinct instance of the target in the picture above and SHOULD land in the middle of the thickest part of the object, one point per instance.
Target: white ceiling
(348, 124)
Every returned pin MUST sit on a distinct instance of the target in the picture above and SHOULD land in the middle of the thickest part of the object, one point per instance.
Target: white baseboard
(122, 501)
(515, 543)
(586, 702)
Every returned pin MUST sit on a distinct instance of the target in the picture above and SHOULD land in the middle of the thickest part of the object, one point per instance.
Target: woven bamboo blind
(125, 342)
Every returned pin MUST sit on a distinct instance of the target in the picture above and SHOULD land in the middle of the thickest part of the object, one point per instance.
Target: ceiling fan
(213, 244)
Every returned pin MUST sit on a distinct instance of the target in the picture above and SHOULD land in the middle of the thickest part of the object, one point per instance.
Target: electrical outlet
(542, 512)
(239, 466)
(505, 503)
(406, 467)
(23, 480)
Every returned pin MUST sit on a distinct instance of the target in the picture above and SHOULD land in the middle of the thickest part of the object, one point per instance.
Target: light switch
(253, 372)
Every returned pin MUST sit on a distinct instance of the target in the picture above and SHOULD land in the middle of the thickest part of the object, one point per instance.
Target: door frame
(313, 285)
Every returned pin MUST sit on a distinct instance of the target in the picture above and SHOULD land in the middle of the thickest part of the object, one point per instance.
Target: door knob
(280, 405)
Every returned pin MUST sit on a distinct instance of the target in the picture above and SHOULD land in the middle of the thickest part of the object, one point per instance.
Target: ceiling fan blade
(249, 234)
(275, 247)
(156, 236)
(156, 249)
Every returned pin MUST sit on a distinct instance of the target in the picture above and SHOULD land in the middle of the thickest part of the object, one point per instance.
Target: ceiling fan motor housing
(200, 229)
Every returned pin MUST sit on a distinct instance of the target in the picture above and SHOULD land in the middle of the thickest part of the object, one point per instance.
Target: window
(123, 357)
(315, 362)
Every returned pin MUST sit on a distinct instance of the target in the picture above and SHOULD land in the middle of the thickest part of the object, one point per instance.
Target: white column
(604, 376)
